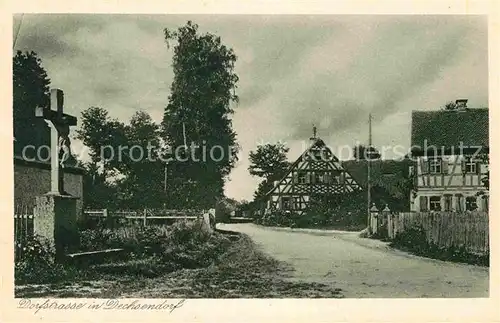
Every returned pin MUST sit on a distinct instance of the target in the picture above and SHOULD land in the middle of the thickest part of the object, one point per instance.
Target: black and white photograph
(238, 156)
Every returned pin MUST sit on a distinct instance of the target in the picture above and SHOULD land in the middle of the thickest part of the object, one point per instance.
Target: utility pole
(165, 184)
(368, 163)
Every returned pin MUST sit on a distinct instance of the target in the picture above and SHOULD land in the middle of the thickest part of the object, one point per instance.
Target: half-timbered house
(317, 172)
(448, 148)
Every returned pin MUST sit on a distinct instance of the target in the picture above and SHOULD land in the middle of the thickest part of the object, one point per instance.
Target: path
(365, 267)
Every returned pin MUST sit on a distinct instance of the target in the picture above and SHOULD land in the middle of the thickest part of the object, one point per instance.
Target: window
(470, 166)
(320, 178)
(286, 203)
(470, 203)
(435, 203)
(297, 203)
(435, 166)
(313, 177)
(448, 201)
(302, 177)
(327, 176)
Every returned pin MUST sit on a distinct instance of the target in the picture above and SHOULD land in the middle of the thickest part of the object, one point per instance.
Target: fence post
(384, 223)
(373, 219)
(144, 217)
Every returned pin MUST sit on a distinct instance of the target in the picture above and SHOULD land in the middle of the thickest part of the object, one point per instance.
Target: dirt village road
(365, 268)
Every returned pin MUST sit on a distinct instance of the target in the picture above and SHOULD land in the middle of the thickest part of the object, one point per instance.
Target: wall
(32, 179)
(453, 177)
(452, 181)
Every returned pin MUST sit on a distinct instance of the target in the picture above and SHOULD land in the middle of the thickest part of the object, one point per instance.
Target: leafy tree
(30, 89)
(102, 136)
(269, 161)
(362, 152)
(201, 95)
(143, 182)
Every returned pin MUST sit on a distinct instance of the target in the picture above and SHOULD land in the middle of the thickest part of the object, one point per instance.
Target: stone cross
(59, 123)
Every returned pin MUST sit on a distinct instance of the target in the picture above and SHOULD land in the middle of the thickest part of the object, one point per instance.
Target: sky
(330, 71)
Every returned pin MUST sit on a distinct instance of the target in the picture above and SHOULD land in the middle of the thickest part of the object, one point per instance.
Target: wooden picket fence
(145, 216)
(23, 229)
(445, 229)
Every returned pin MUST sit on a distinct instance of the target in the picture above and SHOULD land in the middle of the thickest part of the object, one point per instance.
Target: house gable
(316, 172)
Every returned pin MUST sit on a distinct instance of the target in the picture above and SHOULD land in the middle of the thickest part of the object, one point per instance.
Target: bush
(277, 219)
(414, 240)
(190, 247)
(180, 245)
(38, 263)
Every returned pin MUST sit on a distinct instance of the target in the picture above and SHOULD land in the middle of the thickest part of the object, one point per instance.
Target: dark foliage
(414, 240)
(39, 265)
(200, 107)
(150, 251)
(30, 90)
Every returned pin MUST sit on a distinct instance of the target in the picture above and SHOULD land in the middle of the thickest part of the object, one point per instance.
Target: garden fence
(469, 229)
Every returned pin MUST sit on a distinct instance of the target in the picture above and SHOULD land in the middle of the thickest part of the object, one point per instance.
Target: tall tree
(269, 162)
(30, 89)
(199, 107)
(142, 169)
(102, 136)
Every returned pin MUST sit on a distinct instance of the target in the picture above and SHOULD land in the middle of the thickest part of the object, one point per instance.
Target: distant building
(449, 170)
(317, 172)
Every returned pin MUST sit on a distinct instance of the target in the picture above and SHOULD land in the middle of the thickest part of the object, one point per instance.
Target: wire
(18, 29)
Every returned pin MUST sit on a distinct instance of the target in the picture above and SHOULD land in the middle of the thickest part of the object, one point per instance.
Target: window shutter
(342, 177)
(463, 165)
(459, 207)
(295, 177)
(423, 203)
(478, 167)
(444, 166)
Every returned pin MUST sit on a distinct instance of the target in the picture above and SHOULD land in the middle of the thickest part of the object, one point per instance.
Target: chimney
(461, 104)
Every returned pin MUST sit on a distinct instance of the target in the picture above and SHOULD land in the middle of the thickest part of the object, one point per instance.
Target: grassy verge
(241, 271)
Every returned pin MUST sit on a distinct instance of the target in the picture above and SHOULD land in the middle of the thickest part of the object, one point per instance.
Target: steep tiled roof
(450, 128)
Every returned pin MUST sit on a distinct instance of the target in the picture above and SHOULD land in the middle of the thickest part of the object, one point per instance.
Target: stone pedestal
(55, 219)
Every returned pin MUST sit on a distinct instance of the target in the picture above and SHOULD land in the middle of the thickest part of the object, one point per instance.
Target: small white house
(449, 149)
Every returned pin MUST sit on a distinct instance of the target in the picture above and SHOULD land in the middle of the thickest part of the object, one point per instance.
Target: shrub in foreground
(38, 263)
(414, 240)
(151, 251)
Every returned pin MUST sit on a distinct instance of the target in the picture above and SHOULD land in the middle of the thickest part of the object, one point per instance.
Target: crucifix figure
(59, 123)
